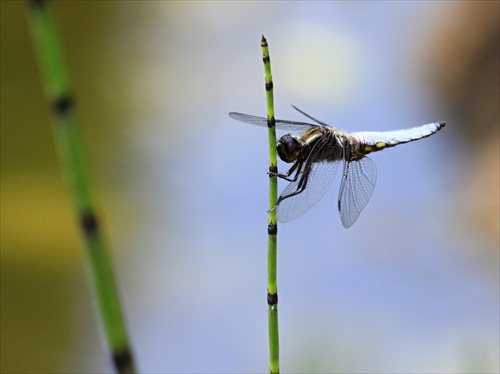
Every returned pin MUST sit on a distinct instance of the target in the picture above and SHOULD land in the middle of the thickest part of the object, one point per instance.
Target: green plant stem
(74, 167)
(272, 228)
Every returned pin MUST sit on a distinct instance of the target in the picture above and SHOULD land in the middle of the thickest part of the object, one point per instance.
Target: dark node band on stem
(62, 105)
(272, 229)
(272, 298)
(88, 221)
(271, 122)
(37, 3)
(123, 361)
(269, 86)
(273, 170)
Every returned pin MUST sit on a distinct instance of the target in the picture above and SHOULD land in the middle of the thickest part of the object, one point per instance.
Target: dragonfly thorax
(290, 147)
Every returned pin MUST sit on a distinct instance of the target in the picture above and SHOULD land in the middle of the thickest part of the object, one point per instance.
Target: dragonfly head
(289, 147)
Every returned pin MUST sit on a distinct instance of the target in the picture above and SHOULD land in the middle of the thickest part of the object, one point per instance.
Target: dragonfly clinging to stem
(316, 155)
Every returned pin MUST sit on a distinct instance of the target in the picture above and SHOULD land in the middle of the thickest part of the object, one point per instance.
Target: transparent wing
(320, 179)
(358, 183)
(280, 123)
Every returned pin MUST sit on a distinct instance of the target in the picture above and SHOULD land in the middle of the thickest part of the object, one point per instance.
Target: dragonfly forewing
(356, 189)
(280, 123)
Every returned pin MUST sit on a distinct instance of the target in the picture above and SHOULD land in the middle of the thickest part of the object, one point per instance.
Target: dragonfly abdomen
(372, 141)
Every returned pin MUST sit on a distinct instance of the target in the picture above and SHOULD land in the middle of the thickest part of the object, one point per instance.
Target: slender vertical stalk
(74, 167)
(272, 228)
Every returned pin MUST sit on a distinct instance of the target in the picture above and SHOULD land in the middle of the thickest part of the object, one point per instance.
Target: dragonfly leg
(296, 192)
(301, 187)
(288, 173)
(272, 210)
(306, 166)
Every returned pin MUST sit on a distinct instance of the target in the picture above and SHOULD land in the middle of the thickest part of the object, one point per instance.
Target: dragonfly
(316, 155)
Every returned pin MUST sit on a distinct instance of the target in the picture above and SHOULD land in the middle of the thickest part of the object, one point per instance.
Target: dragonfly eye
(288, 148)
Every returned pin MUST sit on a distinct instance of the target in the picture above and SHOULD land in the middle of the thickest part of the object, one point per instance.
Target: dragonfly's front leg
(289, 172)
(297, 165)
(304, 170)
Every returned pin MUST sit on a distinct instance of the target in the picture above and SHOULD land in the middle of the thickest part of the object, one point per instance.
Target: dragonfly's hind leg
(272, 210)
(302, 186)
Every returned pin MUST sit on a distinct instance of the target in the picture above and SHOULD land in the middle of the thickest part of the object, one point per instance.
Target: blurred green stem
(74, 167)
(272, 228)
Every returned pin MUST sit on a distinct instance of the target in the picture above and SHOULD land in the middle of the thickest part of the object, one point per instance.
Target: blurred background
(413, 286)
